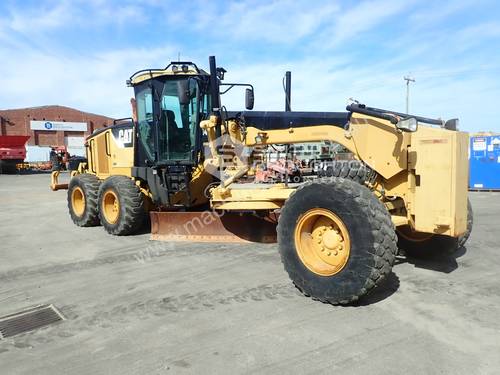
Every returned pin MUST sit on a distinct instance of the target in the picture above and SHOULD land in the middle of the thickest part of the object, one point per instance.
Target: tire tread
(132, 201)
(383, 231)
(89, 183)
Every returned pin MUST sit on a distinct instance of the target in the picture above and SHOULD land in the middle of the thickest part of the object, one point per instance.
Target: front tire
(336, 239)
(82, 200)
(121, 206)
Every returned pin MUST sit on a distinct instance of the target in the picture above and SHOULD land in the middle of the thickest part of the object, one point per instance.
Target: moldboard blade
(210, 226)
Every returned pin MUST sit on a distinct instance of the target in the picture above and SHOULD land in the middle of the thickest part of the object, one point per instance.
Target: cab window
(178, 123)
(144, 105)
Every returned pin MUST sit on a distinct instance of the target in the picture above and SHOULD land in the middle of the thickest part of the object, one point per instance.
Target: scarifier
(191, 165)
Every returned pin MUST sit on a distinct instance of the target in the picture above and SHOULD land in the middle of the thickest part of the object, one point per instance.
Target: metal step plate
(28, 320)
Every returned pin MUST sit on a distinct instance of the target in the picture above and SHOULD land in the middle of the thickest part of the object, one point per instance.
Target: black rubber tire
(296, 178)
(372, 234)
(9, 166)
(351, 169)
(470, 223)
(89, 184)
(437, 245)
(131, 200)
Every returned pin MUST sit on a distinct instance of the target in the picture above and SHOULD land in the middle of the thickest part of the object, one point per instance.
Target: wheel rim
(78, 201)
(322, 242)
(408, 234)
(110, 206)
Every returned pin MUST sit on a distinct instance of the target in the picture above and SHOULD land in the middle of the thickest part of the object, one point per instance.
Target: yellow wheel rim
(110, 206)
(322, 242)
(78, 201)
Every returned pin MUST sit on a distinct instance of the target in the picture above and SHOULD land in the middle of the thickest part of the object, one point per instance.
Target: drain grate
(28, 320)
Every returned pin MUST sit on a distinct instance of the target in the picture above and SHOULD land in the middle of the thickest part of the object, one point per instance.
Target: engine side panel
(111, 151)
(438, 159)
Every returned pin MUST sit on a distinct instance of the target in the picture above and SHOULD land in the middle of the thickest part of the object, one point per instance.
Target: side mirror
(183, 91)
(249, 99)
(409, 124)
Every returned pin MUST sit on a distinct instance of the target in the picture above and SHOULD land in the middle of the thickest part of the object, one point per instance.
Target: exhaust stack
(288, 91)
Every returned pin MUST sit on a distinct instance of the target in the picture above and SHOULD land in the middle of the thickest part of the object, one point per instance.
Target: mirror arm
(231, 85)
(226, 90)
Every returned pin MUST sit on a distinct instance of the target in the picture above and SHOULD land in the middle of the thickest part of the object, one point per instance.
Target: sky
(80, 53)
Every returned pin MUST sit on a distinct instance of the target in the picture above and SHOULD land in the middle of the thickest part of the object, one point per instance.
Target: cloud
(480, 31)
(277, 21)
(93, 83)
(46, 17)
(439, 11)
(361, 18)
(19, 26)
(336, 50)
(326, 85)
(40, 19)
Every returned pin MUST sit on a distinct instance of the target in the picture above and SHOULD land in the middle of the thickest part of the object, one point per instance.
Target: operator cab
(170, 103)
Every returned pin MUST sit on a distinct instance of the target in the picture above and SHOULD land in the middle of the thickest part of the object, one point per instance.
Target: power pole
(408, 79)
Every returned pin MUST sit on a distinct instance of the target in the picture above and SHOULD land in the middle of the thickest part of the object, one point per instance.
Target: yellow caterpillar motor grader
(189, 163)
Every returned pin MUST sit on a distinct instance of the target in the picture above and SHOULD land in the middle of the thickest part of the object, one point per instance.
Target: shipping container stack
(484, 157)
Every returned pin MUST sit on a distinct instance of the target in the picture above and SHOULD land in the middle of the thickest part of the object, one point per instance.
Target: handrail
(391, 116)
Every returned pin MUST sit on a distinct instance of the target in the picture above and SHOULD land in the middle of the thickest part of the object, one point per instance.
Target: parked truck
(12, 152)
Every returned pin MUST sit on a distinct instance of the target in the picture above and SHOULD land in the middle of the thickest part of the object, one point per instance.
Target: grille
(28, 320)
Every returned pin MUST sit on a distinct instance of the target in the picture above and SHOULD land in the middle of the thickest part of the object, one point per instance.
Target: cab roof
(175, 68)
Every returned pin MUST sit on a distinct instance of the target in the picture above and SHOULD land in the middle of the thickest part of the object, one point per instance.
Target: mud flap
(211, 226)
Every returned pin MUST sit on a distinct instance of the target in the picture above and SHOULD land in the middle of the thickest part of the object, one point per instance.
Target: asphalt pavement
(134, 306)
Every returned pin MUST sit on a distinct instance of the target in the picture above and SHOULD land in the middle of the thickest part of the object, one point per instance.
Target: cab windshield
(178, 122)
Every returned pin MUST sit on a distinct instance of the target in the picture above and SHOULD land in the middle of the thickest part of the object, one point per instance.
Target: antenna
(178, 57)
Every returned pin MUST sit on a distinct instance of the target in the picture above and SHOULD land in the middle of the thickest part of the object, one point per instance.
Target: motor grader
(189, 163)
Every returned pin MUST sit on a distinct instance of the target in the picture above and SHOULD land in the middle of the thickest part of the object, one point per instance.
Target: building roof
(51, 107)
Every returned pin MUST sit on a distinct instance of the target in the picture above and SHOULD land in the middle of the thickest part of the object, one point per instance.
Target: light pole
(408, 79)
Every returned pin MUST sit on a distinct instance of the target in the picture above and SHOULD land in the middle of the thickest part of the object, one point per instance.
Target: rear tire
(351, 169)
(470, 222)
(82, 200)
(371, 240)
(433, 245)
(121, 206)
(9, 166)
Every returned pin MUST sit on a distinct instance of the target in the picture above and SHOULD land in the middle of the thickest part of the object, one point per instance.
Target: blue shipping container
(484, 167)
